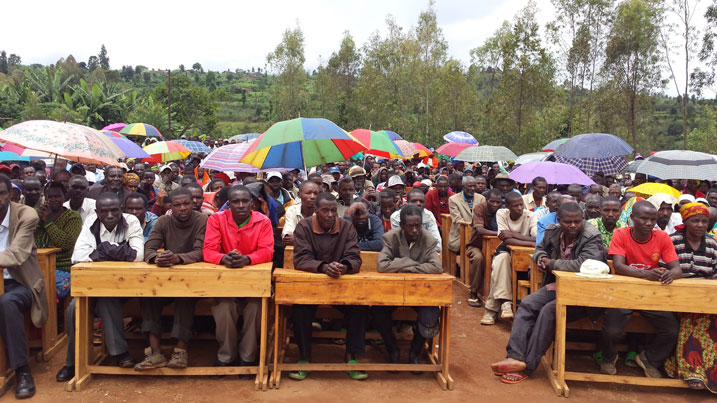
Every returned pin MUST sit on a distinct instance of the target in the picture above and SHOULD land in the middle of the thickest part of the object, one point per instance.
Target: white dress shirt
(291, 219)
(86, 210)
(86, 241)
(429, 223)
(5, 239)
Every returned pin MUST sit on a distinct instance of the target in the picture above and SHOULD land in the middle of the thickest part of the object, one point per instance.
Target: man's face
(388, 206)
(412, 228)
(346, 191)
(360, 220)
(504, 186)
(197, 197)
(494, 203)
(41, 176)
(139, 168)
(539, 189)
(419, 199)
(182, 207)
(576, 192)
(424, 188)
(481, 184)
(342, 166)
(135, 207)
(4, 198)
(663, 214)
(175, 172)
(712, 199)
(515, 207)
(615, 191)
(610, 212)
(399, 189)
(551, 202)
(114, 179)
(31, 189)
(592, 207)
(326, 212)
(240, 203)
(109, 213)
(274, 184)
(571, 223)
(308, 194)
(148, 179)
(469, 188)
(595, 190)
(697, 225)
(77, 189)
(63, 177)
(359, 181)
(639, 179)
(442, 187)
(28, 172)
(644, 220)
(455, 184)
(287, 181)
(217, 186)
(54, 198)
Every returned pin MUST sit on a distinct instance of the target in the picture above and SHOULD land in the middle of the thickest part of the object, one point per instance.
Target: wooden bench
(684, 295)
(365, 288)
(448, 257)
(139, 279)
(521, 261)
(465, 262)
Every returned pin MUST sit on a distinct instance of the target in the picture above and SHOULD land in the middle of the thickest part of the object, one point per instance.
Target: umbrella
(423, 151)
(677, 164)
(460, 137)
(608, 166)
(226, 159)
(632, 166)
(239, 138)
(114, 134)
(10, 156)
(486, 154)
(525, 158)
(301, 142)
(377, 143)
(392, 135)
(648, 189)
(129, 148)
(553, 172)
(115, 127)
(593, 145)
(141, 129)
(407, 148)
(67, 140)
(553, 145)
(452, 149)
(194, 146)
(163, 151)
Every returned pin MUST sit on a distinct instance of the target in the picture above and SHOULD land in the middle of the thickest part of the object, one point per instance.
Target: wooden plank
(520, 261)
(369, 260)
(360, 367)
(448, 257)
(52, 340)
(465, 233)
(628, 380)
(202, 371)
(488, 246)
(138, 279)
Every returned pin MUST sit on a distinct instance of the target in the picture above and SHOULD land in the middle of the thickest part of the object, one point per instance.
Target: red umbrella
(423, 151)
(452, 149)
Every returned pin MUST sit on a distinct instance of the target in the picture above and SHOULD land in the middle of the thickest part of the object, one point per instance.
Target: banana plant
(48, 85)
(102, 103)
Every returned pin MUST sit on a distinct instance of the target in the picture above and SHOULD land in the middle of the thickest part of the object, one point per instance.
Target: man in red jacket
(235, 238)
(437, 199)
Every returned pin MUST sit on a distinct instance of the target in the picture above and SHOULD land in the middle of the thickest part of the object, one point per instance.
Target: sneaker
(151, 360)
(179, 359)
(474, 301)
(506, 310)
(608, 367)
(650, 371)
(489, 318)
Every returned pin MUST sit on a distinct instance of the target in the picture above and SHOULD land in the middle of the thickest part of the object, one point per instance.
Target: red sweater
(255, 239)
(433, 204)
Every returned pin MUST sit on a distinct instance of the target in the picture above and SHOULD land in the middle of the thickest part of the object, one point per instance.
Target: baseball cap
(356, 171)
(5, 168)
(426, 182)
(417, 184)
(334, 170)
(163, 167)
(273, 174)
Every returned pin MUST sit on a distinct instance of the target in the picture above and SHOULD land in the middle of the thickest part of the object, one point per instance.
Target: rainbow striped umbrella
(141, 129)
(460, 137)
(164, 151)
(113, 134)
(377, 143)
(301, 142)
(392, 135)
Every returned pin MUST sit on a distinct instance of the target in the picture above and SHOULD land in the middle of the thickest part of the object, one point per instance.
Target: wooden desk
(520, 261)
(448, 257)
(384, 289)
(684, 295)
(139, 279)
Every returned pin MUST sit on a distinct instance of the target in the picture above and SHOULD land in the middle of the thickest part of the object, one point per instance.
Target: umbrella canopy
(452, 149)
(377, 143)
(115, 127)
(676, 164)
(632, 166)
(141, 129)
(608, 166)
(244, 137)
(114, 134)
(130, 148)
(10, 156)
(553, 145)
(407, 148)
(423, 151)
(164, 151)
(648, 189)
(301, 143)
(486, 154)
(392, 135)
(67, 140)
(194, 146)
(525, 158)
(226, 159)
(593, 145)
(554, 172)
(460, 137)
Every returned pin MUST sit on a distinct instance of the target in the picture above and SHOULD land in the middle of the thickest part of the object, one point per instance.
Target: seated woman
(694, 359)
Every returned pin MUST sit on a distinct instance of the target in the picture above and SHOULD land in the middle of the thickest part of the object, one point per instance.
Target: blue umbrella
(460, 137)
(392, 135)
(608, 166)
(194, 146)
(594, 145)
(8, 156)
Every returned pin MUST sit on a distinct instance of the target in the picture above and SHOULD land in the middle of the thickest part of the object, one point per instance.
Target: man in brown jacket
(325, 243)
(24, 287)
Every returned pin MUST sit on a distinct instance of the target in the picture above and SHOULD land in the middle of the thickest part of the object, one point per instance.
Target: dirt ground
(473, 348)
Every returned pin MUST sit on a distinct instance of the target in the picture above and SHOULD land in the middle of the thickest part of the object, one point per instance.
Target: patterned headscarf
(692, 209)
(131, 179)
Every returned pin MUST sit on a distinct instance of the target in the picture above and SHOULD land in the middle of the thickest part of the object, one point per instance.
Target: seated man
(536, 198)
(565, 247)
(308, 190)
(416, 197)
(387, 205)
(610, 210)
(113, 183)
(516, 226)
(483, 224)
(238, 237)
(136, 204)
(667, 219)
(409, 249)
(592, 205)
(78, 200)
(23, 284)
(437, 200)
(552, 217)
(368, 227)
(32, 192)
(346, 195)
(636, 252)
(108, 236)
(328, 244)
(181, 235)
(461, 207)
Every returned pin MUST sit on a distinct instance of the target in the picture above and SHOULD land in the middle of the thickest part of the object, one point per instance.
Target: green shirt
(606, 235)
(62, 232)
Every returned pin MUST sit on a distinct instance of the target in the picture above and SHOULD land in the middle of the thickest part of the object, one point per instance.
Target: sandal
(502, 368)
(357, 375)
(299, 375)
(630, 359)
(696, 384)
(513, 377)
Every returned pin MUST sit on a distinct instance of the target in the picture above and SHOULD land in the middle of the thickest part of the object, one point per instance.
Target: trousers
(382, 319)
(667, 325)
(476, 270)
(233, 343)
(109, 309)
(501, 282)
(183, 316)
(14, 303)
(354, 315)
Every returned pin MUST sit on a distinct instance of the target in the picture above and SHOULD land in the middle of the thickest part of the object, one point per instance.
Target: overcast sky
(232, 34)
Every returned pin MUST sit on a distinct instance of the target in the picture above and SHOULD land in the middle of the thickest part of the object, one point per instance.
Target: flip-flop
(357, 375)
(504, 369)
(299, 375)
(630, 359)
(513, 377)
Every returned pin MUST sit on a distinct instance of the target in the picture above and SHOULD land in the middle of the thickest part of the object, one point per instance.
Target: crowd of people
(179, 213)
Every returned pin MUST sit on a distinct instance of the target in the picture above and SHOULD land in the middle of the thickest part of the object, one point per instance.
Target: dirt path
(473, 348)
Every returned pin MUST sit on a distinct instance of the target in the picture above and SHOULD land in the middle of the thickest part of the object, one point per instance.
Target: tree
(197, 67)
(103, 59)
(127, 73)
(708, 52)
(3, 62)
(288, 60)
(92, 63)
(181, 68)
(48, 84)
(335, 82)
(101, 103)
(193, 107)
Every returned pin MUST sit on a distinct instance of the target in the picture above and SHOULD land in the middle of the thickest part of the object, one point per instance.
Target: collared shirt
(606, 235)
(530, 203)
(5, 239)
(254, 239)
(429, 223)
(291, 218)
(86, 243)
(86, 209)
(671, 227)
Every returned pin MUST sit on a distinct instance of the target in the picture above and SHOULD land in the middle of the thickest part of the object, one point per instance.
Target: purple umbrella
(115, 127)
(554, 172)
(129, 148)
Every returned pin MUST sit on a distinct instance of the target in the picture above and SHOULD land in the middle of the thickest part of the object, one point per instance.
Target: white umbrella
(678, 164)
(486, 154)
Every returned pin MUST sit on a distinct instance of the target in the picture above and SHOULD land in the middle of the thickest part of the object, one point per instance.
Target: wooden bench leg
(278, 335)
(83, 342)
(560, 328)
(259, 383)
